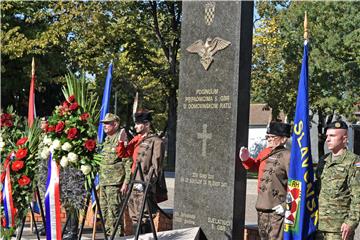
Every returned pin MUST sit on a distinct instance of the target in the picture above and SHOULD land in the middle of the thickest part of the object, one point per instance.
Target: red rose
(72, 133)
(24, 180)
(65, 104)
(90, 145)
(21, 141)
(2, 176)
(8, 123)
(50, 128)
(17, 165)
(59, 127)
(6, 116)
(71, 98)
(21, 153)
(84, 116)
(74, 106)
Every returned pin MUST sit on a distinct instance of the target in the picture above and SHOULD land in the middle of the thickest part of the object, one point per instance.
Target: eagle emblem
(208, 49)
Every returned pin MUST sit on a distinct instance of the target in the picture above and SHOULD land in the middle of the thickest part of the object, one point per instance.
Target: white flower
(64, 161)
(56, 144)
(45, 153)
(72, 157)
(2, 145)
(86, 169)
(66, 146)
(47, 141)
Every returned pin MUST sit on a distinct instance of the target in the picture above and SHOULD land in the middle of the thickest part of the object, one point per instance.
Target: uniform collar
(338, 159)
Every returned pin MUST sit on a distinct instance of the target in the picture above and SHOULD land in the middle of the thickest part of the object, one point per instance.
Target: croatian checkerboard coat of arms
(292, 202)
(209, 13)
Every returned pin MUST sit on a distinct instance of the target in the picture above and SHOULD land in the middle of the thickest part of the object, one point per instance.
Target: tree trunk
(172, 118)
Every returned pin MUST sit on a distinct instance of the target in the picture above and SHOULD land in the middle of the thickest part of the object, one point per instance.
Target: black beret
(279, 129)
(143, 117)
(337, 125)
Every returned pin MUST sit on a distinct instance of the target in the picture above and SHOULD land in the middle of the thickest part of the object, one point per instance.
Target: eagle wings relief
(208, 49)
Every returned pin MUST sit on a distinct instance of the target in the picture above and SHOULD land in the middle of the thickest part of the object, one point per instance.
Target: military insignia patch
(357, 164)
(292, 203)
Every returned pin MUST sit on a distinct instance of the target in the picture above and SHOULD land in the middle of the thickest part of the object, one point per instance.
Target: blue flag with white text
(301, 214)
(105, 106)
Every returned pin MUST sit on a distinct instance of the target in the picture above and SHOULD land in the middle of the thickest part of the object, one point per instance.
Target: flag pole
(31, 107)
(306, 30)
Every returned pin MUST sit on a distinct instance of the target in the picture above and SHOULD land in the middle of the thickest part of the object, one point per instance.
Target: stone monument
(213, 117)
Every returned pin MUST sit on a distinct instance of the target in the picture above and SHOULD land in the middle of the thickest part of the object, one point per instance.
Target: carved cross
(204, 136)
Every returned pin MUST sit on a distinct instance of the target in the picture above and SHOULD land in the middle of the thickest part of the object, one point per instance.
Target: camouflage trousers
(270, 225)
(110, 203)
(320, 235)
(135, 204)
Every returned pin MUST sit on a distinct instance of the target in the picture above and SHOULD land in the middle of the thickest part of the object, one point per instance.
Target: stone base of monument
(186, 233)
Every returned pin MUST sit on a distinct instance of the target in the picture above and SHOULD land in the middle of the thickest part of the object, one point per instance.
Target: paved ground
(250, 215)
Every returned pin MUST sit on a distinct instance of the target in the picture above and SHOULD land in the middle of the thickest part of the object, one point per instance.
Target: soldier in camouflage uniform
(114, 174)
(272, 163)
(338, 186)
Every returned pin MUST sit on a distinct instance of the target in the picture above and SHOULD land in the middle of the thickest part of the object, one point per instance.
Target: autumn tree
(333, 61)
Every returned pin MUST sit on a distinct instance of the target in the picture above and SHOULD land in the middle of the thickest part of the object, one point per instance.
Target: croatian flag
(9, 210)
(52, 202)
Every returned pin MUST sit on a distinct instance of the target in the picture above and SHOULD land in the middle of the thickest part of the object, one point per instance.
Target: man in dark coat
(147, 149)
(272, 164)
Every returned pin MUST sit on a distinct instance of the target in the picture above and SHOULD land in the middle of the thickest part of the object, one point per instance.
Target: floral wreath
(71, 138)
(23, 164)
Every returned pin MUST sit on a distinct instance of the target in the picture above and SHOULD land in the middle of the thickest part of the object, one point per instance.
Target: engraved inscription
(185, 218)
(219, 224)
(203, 179)
(207, 99)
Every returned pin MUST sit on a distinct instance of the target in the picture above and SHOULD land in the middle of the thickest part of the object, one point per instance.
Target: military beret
(143, 116)
(279, 129)
(110, 117)
(337, 125)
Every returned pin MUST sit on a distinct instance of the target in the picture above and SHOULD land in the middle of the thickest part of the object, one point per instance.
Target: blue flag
(105, 106)
(301, 214)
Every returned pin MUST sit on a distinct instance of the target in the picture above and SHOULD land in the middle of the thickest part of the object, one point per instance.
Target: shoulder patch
(357, 164)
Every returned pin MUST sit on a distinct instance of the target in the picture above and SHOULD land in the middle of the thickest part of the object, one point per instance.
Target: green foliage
(84, 93)
(142, 39)
(334, 64)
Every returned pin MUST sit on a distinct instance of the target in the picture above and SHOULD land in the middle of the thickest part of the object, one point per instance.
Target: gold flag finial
(33, 66)
(306, 30)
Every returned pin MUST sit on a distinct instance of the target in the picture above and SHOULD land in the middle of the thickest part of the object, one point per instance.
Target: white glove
(244, 154)
(139, 187)
(279, 210)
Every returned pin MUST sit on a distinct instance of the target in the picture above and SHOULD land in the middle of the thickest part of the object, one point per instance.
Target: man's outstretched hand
(244, 154)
